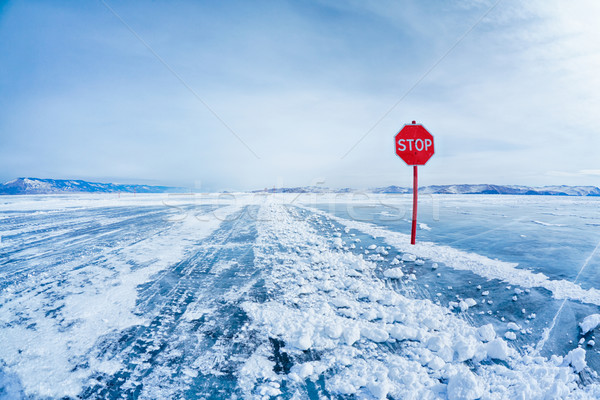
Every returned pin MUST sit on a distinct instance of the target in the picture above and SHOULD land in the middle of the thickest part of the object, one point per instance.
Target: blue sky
(293, 86)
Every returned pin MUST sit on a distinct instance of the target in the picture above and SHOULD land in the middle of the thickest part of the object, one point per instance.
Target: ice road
(254, 296)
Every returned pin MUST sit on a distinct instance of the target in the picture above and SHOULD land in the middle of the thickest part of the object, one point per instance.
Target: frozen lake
(298, 296)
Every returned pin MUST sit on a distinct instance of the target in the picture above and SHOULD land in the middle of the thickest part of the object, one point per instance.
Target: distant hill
(457, 189)
(497, 189)
(57, 186)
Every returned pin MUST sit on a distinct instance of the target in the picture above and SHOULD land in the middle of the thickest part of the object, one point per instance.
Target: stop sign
(414, 144)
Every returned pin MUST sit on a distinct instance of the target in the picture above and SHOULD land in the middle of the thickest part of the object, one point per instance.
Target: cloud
(593, 172)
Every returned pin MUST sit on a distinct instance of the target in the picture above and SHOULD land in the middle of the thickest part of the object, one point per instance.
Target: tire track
(196, 338)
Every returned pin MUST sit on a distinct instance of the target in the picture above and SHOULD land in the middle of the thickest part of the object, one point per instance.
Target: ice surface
(483, 266)
(264, 296)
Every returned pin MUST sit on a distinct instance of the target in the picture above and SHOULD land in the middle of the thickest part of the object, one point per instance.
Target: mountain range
(457, 189)
(58, 186)
(562, 190)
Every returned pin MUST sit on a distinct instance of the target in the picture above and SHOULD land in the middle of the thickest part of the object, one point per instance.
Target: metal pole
(413, 232)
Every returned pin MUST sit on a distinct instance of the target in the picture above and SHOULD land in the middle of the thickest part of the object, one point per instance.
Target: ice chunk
(351, 335)
(464, 386)
(379, 387)
(393, 273)
(381, 250)
(436, 343)
(436, 363)
(334, 331)
(576, 358)
(402, 332)
(497, 349)
(465, 348)
(269, 389)
(340, 302)
(302, 370)
(510, 335)
(372, 247)
(408, 257)
(375, 257)
(466, 304)
(513, 327)
(419, 262)
(374, 334)
(302, 341)
(589, 323)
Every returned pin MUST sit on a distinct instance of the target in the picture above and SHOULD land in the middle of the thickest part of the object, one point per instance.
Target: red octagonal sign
(414, 144)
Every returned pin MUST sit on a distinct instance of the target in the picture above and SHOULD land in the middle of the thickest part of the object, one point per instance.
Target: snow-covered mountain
(562, 190)
(57, 186)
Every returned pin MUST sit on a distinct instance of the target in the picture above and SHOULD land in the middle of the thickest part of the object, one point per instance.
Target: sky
(237, 95)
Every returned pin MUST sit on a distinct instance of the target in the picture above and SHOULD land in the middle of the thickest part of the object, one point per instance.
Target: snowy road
(261, 296)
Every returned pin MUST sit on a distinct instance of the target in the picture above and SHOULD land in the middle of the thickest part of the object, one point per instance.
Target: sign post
(414, 145)
(413, 231)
